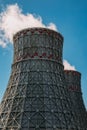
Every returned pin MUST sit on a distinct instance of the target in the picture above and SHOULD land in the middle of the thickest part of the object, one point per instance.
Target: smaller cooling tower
(73, 80)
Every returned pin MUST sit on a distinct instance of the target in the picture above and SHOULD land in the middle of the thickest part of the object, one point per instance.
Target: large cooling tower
(36, 97)
(73, 79)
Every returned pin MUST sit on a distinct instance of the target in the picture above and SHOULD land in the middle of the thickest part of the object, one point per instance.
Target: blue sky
(70, 17)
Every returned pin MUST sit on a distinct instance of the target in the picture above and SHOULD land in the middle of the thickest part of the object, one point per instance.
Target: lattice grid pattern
(37, 97)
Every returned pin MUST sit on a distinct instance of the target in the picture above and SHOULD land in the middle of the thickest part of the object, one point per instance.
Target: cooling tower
(36, 97)
(73, 79)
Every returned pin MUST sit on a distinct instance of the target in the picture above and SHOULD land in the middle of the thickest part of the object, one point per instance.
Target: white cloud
(12, 20)
(68, 66)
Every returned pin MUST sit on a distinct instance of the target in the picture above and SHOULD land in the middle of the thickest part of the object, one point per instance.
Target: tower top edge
(41, 30)
(72, 72)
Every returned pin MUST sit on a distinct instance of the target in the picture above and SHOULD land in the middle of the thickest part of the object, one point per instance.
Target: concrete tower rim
(73, 72)
(20, 32)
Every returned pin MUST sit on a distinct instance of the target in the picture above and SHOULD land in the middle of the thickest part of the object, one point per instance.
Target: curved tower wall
(73, 79)
(38, 43)
(37, 97)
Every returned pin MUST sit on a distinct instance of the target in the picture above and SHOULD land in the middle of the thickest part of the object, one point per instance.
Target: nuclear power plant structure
(37, 96)
(73, 79)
